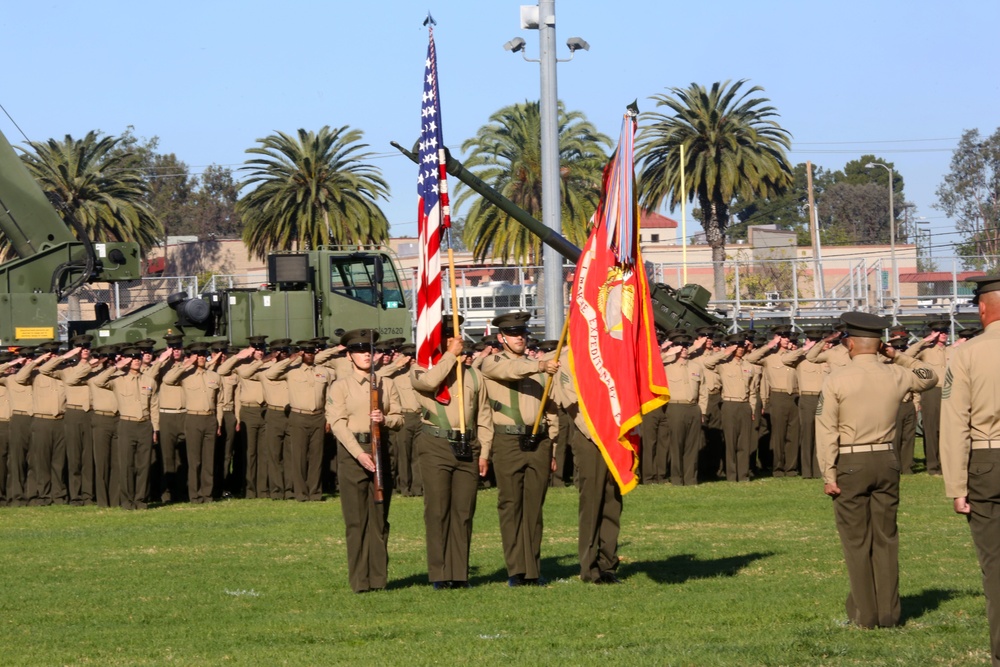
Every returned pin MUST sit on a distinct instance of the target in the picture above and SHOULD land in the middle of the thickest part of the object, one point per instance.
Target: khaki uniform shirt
(5, 408)
(859, 403)
(514, 386)
(809, 375)
(230, 383)
(19, 394)
(425, 384)
(75, 379)
(404, 385)
(780, 377)
(935, 356)
(250, 390)
(564, 393)
(331, 358)
(686, 381)
(969, 402)
(102, 399)
(348, 406)
(740, 382)
(171, 396)
(837, 356)
(135, 393)
(275, 392)
(307, 385)
(201, 389)
(48, 396)
(710, 378)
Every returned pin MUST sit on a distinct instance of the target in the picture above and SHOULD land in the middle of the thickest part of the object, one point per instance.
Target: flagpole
(459, 391)
(548, 380)
(684, 220)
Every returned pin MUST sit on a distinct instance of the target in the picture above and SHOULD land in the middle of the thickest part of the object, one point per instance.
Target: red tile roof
(653, 220)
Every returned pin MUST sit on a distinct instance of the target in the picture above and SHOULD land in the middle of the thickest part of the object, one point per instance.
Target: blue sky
(898, 79)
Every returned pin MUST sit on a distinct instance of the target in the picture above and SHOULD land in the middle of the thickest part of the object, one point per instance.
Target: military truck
(322, 292)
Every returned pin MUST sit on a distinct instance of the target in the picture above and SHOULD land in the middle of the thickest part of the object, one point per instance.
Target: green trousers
(686, 440)
(930, 406)
(906, 436)
(738, 427)
(104, 433)
(807, 435)
(135, 451)
(17, 465)
(450, 486)
(79, 456)
(47, 462)
(305, 455)
(366, 523)
(522, 480)
(275, 441)
(865, 512)
(654, 457)
(255, 458)
(404, 444)
(984, 521)
(600, 510)
(784, 434)
(199, 435)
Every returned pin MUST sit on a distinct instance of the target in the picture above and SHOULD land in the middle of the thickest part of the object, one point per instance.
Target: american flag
(434, 215)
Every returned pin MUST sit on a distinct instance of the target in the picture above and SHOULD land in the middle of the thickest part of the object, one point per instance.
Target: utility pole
(551, 196)
(818, 291)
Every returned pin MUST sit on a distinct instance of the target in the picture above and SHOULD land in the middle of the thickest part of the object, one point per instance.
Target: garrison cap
(864, 325)
(281, 344)
(174, 340)
(409, 349)
(815, 333)
(197, 348)
(547, 346)
(359, 340)
(984, 284)
(446, 322)
(939, 325)
(82, 340)
(257, 342)
(681, 339)
(307, 346)
(512, 323)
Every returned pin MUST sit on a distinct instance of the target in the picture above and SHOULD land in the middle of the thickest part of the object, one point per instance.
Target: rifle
(378, 483)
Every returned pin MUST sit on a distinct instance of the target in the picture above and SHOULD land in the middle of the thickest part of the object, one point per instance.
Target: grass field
(720, 574)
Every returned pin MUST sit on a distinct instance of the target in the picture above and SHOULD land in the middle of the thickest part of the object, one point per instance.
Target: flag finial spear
(430, 19)
(633, 109)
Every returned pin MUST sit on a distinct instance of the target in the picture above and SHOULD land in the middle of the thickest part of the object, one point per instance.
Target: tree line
(312, 188)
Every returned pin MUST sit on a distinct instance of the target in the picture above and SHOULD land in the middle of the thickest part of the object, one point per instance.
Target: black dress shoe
(517, 580)
(608, 578)
(460, 584)
(540, 581)
(441, 585)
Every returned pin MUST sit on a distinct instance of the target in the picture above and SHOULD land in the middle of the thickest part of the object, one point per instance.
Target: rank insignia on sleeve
(819, 405)
(922, 373)
(946, 390)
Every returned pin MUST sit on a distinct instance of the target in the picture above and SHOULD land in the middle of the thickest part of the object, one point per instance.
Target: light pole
(543, 18)
(892, 238)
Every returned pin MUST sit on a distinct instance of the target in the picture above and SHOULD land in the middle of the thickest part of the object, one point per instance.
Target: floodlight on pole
(542, 17)
(892, 238)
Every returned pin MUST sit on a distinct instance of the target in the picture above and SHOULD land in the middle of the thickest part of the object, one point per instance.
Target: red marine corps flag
(433, 215)
(613, 354)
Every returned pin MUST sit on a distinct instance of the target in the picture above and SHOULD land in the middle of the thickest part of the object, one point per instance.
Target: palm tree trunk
(714, 223)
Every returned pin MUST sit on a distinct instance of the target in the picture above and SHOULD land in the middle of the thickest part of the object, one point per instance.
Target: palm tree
(733, 149)
(89, 182)
(312, 190)
(507, 154)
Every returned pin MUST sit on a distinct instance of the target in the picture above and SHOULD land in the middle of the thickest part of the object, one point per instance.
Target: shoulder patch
(946, 390)
(922, 373)
(496, 357)
(819, 406)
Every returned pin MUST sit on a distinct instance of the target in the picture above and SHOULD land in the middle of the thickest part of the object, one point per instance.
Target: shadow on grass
(914, 606)
(683, 567)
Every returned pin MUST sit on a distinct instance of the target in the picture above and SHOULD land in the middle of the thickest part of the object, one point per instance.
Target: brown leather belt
(986, 444)
(862, 449)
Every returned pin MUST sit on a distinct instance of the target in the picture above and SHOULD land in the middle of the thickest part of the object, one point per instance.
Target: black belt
(363, 438)
(446, 433)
